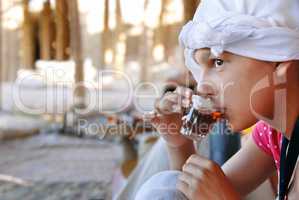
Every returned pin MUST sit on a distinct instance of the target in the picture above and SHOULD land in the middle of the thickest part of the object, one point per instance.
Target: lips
(206, 103)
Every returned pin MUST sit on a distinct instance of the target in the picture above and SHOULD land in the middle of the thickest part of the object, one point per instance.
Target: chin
(236, 128)
(237, 125)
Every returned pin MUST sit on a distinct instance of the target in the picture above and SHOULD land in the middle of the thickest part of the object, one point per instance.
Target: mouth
(201, 118)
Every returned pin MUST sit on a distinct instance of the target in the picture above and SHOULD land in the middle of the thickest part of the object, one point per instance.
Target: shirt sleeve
(261, 137)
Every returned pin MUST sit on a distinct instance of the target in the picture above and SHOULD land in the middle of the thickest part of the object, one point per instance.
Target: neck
(290, 127)
(291, 73)
(292, 111)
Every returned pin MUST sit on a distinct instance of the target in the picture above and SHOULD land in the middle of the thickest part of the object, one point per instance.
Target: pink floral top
(268, 140)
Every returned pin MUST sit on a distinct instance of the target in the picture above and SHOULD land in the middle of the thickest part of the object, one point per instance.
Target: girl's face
(231, 81)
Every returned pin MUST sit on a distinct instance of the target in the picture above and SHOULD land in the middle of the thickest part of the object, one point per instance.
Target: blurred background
(52, 43)
(76, 78)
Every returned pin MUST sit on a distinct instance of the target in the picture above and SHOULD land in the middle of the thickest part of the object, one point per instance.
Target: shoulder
(266, 137)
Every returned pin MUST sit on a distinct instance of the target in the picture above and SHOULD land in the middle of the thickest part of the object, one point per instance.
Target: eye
(218, 62)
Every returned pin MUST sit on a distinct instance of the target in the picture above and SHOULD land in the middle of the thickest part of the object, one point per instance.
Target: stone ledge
(11, 134)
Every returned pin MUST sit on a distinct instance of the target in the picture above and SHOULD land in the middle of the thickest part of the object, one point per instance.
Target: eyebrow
(207, 56)
(223, 56)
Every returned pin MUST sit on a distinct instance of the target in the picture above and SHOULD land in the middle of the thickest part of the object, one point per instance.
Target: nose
(206, 89)
(206, 85)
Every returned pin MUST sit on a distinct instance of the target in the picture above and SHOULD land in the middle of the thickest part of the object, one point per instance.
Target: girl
(244, 56)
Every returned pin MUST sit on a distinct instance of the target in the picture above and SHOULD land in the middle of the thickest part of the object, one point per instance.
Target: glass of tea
(200, 118)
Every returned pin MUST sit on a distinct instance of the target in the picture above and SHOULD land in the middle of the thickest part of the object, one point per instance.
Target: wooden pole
(105, 36)
(160, 35)
(28, 39)
(190, 7)
(1, 66)
(145, 49)
(5, 55)
(46, 33)
(10, 58)
(62, 30)
(76, 52)
(119, 40)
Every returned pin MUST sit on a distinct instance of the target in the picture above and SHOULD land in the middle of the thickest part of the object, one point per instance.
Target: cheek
(237, 101)
(262, 103)
(244, 107)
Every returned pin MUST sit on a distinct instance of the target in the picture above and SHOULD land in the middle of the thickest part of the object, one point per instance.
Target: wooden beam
(145, 49)
(28, 38)
(105, 36)
(76, 52)
(62, 43)
(1, 71)
(160, 32)
(190, 7)
(119, 39)
(46, 32)
(11, 46)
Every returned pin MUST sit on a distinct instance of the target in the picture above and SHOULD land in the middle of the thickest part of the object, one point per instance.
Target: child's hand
(168, 117)
(203, 179)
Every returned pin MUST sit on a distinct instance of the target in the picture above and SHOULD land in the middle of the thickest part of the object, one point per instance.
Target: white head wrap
(261, 29)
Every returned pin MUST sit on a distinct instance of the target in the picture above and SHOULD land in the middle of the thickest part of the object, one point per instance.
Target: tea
(200, 119)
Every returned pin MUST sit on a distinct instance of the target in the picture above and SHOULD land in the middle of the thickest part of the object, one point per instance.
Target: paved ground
(14, 126)
(52, 166)
(53, 191)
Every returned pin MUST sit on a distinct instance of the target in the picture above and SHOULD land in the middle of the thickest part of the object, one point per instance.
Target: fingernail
(186, 101)
(188, 93)
(176, 108)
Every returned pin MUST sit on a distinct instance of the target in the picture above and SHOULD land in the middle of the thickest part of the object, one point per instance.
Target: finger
(185, 92)
(174, 101)
(180, 101)
(156, 107)
(186, 103)
(172, 96)
(167, 105)
(196, 171)
(190, 180)
(202, 162)
(171, 103)
(184, 188)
